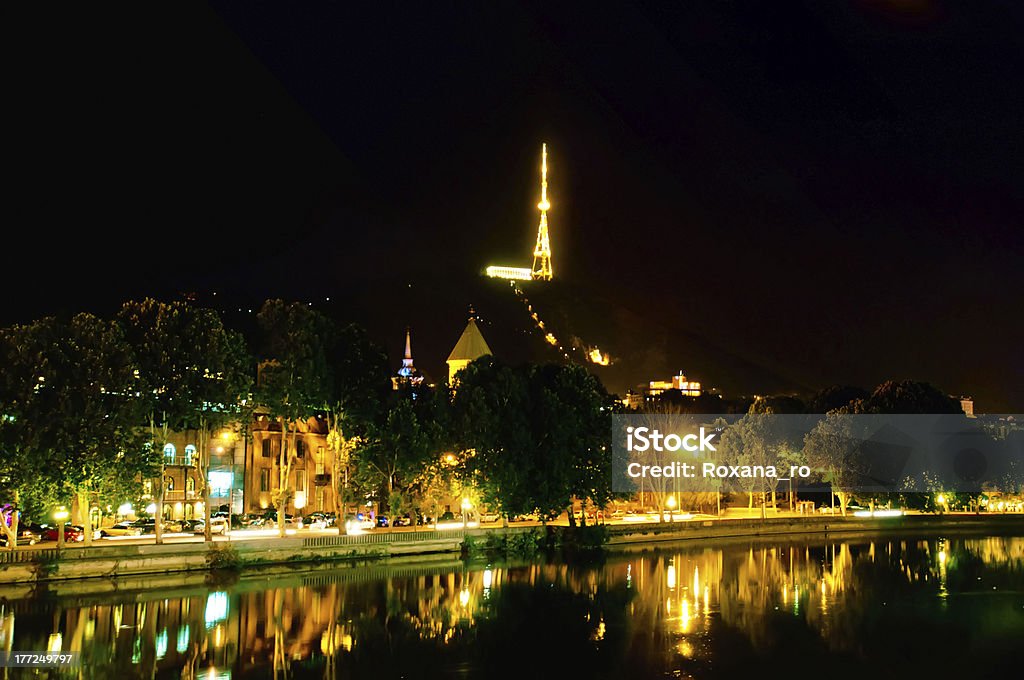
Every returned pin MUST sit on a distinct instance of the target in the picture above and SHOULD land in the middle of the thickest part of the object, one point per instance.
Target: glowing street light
(61, 515)
(466, 505)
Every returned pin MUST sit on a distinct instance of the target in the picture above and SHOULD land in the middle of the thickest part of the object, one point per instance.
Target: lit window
(169, 453)
(190, 452)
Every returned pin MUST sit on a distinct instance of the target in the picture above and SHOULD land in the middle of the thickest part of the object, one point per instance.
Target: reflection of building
(407, 375)
(470, 347)
(687, 388)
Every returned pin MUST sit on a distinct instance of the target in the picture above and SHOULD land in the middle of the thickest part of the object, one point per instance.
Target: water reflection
(886, 607)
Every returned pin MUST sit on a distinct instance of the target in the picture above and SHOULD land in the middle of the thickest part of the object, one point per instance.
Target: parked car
(218, 525)
(72, 533)
(290, 522)
(403, 521)
(25, 537)
(174, 526)
(125, 528)
(188, 526)
(319, 520)
(382, 521)
(490, 516)
(146, 526)
(358, 523)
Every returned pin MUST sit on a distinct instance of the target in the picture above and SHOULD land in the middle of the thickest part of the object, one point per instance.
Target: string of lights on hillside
(591, 353)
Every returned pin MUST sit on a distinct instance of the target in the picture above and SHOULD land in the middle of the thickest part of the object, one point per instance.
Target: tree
(395, 455)
(294, 380)
(906, 396)
(73, 395)
(358, 400)
(833, 448)
(533, 437)
(197, 372)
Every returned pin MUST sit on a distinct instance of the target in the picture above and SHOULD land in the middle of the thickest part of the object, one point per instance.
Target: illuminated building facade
(183, 478)
(311, 470)
(687, 388)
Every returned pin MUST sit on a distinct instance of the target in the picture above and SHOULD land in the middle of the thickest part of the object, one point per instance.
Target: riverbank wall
(107, 562)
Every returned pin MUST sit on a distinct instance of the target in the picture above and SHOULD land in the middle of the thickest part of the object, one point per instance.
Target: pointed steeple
(470, 347)
(407, 361)
(408, 373)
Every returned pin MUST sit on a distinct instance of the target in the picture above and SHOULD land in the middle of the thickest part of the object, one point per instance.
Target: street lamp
(466, 505)
(61, 515)
(671, 504)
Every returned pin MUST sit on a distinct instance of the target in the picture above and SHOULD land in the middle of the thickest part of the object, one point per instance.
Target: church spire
(407, 361)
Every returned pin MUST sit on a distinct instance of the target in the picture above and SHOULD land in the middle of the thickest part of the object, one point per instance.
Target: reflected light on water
(632, 609)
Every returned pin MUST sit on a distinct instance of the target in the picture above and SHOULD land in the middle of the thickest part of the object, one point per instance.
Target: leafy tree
(533, 437)
(197, 372)
(834, 397)
(906, 396)
(395, 454)
(295, 378)
(358, 400)
(75, 397)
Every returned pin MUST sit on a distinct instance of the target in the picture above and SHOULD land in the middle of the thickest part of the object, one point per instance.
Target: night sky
(831, 191)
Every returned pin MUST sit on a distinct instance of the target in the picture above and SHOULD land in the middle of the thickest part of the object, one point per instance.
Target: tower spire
(407, 361)
(542, 251)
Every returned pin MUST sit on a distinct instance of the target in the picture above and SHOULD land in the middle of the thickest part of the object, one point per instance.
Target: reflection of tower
(542, 251)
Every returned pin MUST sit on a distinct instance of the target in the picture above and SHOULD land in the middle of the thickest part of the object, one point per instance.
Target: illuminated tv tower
(541, 269)
(542, 251)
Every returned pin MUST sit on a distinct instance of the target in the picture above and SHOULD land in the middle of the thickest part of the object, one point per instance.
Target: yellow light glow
(466, 505)
(300, 500)
(597, 357)
(464, 597)
(55, 643)
(671, 502)
(671, 576)
(61, 514)
(941, 499)
(552, 340)
(513, 273)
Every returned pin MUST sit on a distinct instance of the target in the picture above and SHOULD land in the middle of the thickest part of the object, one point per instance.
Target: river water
(874, 607)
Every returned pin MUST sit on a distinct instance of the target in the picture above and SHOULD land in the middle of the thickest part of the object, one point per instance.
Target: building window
(168, 483)
(190, 453)
(266, 448)
(319, 460)
(169, 453)
(300, 481)
(300, 448)
(264, 480)
(190, 483)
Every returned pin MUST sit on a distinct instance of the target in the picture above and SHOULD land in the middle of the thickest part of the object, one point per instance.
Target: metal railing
(27, 555)
(374, 538)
